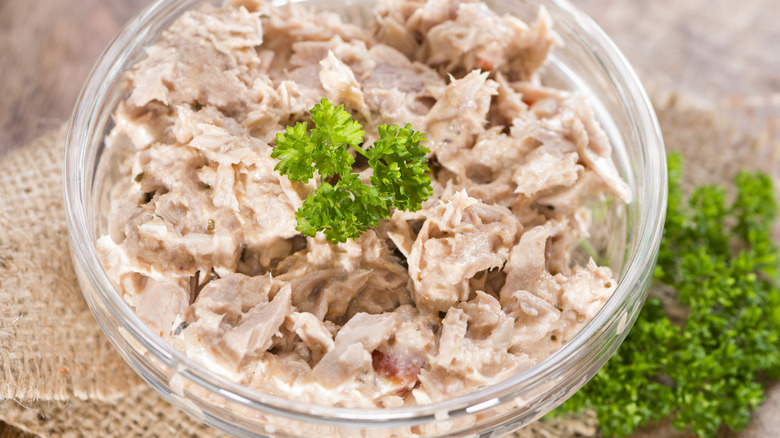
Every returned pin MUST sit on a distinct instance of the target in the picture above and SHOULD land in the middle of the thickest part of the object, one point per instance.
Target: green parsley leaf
(325, 149)
(335, 131)
(294, 149)
(343, 206)
(720, 260)
(400, 166)
(342, 211)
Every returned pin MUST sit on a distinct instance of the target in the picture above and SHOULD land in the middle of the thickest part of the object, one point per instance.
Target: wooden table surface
(725, 52)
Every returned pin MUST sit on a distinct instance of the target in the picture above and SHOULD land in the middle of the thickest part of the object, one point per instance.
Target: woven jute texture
(60, 376)
(50, 346)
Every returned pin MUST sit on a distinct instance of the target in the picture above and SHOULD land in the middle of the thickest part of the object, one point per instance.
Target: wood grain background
(47, 48)
(723, 52)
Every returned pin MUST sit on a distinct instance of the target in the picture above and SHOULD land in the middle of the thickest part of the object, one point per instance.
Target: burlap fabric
(59, 376)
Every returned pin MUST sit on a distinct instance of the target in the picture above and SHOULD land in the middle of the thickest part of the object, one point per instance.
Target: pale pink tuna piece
(158, 303)
(253, 333)
(351, 356)
(456, 118)
(460, 237)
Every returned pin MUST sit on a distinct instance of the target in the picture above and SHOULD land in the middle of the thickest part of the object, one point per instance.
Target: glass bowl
(626, 237)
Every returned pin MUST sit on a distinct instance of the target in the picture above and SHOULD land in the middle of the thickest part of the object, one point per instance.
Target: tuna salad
(429, 305)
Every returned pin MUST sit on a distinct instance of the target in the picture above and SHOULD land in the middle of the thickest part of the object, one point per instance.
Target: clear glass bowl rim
(648, 239)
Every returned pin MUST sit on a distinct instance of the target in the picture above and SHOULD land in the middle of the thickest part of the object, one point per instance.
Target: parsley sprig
(720, 259)
(343, 206)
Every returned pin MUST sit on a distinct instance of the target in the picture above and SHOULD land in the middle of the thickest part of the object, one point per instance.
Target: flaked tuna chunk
(235, 304)
(234, 294)
(460, 237)
(464, 35)
(472, 349)
(337, 281)
(526, 268)
(220, 304)
(531, 293)
(551, 244)
(158, 303)
(451, 342)
(341, 85)
(460, 114)
(389, 31)
(488, 323)
(393, 70)
(326, 293)
(485, 169)
(416, 16)
(478, 38)
(587, 289)
(534, 318)
(351, 356)
(402, 228)
(398, 90)
(564, 122)
(429, 13)
(595, 151)
(253, 333)
(550, 308)
(306, 53)
(399, 361)
(312, 331)
(508, 105)
(201, 59)
(156, 244)
(568, 200)
(284, 26)
(194, 206)
(546, 168)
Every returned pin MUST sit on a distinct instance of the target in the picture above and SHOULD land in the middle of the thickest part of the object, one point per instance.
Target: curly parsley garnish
(720, 260)
(343, 206)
